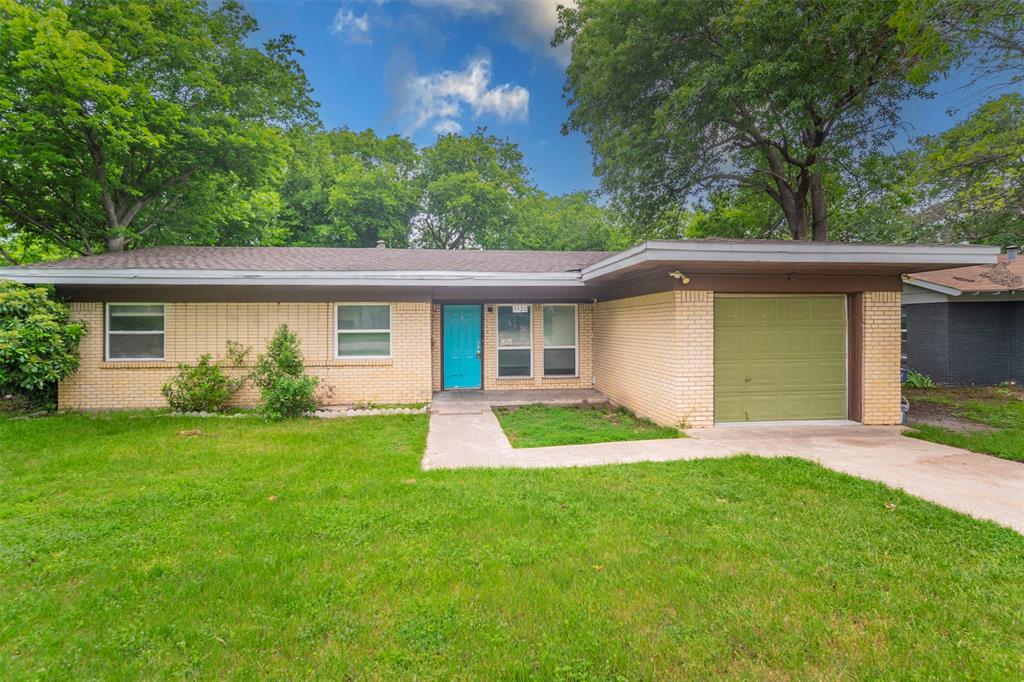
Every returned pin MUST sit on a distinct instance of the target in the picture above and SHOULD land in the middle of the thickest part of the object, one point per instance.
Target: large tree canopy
(122, 117)
(679, 99)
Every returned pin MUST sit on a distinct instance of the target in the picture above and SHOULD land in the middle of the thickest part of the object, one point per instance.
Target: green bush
(289, 397)
(918, 380)
(38, 345)
(204, 387)
(287, 392)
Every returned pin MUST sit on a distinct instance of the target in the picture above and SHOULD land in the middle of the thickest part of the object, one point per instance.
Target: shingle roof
(1006, 275)
(317, 259)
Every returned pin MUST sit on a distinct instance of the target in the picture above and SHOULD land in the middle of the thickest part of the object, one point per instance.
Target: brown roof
(1006, 275)
(300, 258)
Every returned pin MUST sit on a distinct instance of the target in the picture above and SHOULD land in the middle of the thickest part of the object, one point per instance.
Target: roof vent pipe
(381, 244)
(1011, 253)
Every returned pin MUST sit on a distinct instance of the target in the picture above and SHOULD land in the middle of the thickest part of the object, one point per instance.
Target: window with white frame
(515, 341)
(363, 330)
(135, 331)
(560, 348)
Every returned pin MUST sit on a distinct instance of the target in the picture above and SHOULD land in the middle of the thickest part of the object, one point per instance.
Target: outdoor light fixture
(683, 279)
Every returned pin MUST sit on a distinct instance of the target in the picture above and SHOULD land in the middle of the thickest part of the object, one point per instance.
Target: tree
(970, 178)
(471, 186)
(344, 188)
(684, 98)
(114, 115)
(571, 222)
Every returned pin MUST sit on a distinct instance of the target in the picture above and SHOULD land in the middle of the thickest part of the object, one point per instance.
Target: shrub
(38, 345)
(917, 380)
(289, 397)
(204, 387)
(286, 390)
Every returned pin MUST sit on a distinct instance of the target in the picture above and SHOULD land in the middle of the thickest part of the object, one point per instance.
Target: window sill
(359, 362)
(137, 364)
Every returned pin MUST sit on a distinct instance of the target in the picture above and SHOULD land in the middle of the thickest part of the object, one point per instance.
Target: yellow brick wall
(655, 355)
(196, 328)
(881, 357)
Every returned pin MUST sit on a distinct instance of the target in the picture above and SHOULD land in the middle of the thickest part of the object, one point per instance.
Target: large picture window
(560, 348)
(363, 331)
(135, 331)
(515, 341)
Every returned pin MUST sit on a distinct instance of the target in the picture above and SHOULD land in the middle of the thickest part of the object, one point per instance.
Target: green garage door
(780, 357)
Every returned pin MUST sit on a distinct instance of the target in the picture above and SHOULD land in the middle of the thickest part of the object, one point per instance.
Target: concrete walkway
(979, 485)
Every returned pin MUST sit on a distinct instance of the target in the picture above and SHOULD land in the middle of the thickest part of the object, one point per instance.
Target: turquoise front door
(462, 346)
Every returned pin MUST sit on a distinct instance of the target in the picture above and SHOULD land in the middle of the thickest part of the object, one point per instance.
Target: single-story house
(966, 325)
(684, 332)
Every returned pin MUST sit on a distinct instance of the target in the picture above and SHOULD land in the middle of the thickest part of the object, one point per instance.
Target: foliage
(38, 343)
(571, 222)
(123, 117)
(684, 98)
(917, 380)
(534, 426)
(205, 386)
(471, 185)
(279, 373)
(323, 546)
(289, 397)
(970, 178)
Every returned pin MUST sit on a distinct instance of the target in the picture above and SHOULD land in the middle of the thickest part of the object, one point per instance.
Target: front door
(462, 346)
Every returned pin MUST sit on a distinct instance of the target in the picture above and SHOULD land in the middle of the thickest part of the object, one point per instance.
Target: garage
(780, 357)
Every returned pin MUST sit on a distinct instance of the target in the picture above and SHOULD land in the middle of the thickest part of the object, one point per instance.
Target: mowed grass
(1001, 408)
(158, 547)
(533, 426)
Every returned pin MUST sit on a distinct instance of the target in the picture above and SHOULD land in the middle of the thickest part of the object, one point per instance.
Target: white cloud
(442, 97)
(352, 27)
(530, 24)
(447, 126)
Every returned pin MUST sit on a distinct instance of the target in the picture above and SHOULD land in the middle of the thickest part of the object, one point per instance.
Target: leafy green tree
(970, 178)
(682, 99)
(38, 344)
(571, 222)
(118, 114)
(344, 188)
(471, 187)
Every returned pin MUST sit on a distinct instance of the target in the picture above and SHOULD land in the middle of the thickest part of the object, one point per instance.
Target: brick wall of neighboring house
(980, 343)
(192, 329)
(881, 358)
(928, 340)
(1015, 313)
(655, 355)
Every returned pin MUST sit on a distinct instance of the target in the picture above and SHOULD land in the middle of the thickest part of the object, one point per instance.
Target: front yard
(152, 546)
(983, 419)
(534, 426)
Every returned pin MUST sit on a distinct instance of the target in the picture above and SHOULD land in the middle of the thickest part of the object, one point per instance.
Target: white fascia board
(793, 252)
(290, 278)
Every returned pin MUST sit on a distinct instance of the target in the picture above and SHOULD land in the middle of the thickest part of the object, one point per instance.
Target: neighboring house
(683, 332)
(966, 325)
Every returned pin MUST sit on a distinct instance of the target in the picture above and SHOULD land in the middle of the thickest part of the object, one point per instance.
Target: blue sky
(420, 67)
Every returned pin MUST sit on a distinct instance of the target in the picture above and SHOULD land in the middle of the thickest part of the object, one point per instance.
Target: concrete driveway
(979, 485)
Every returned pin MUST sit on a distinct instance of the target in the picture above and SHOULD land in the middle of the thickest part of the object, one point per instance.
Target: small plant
(279, 373)
(917, 380)
(204, 387)
(38, 344)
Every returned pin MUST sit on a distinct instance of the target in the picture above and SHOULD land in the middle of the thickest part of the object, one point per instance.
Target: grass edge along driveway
(144, 546)
(537, 425)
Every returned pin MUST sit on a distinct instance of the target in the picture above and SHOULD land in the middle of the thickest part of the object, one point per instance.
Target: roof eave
(931, 286)
(84, 276)
(924, 256)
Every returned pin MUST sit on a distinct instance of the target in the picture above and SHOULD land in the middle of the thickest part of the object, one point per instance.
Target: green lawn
(533, 426)
(172, 547)
(1001, 408)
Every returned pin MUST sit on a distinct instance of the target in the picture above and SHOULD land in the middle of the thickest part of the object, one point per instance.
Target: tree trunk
(819, 212)
(115, 244)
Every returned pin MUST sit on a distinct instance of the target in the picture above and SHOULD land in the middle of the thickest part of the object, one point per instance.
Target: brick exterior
(880, 374)
(966, 343)
(196, 328)
(655, 355)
